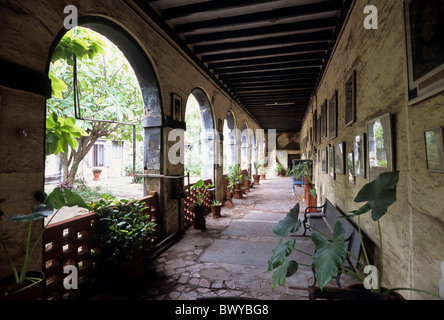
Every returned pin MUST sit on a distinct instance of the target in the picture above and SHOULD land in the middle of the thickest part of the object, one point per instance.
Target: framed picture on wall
(331, 162)
(424, 34)
(350, 99)
(379, 146)
(176, 105)
(339, 153)
(324, 119)
(434, 144)
(333, 116)
(350, 168)
(318, 130)
(324, 164)
(359, 155)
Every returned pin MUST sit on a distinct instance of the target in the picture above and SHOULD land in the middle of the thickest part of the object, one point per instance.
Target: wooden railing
(190, 200)
(73, 242)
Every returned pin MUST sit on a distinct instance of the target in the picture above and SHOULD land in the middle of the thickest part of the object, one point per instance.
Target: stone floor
(229, 258)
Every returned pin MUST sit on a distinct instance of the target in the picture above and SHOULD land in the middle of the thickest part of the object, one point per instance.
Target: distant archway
(229, 146)
(206, 136)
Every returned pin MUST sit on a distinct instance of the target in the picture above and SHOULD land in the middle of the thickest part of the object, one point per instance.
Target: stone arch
(207, 136)
(146, 76)
(245, 147)
(230, 140)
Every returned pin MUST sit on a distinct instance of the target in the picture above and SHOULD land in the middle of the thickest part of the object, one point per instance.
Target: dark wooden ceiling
(268, 55)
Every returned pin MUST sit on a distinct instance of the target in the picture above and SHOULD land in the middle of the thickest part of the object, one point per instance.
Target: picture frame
(318, 130)
(176, 107)
(434, 149)
(379, 146)
(351, 168)
(331, 162)
(350, 99)
(339, 154)
(424, 34)
(359, 157)
(324, 163)
(333, 116)
(324, 119)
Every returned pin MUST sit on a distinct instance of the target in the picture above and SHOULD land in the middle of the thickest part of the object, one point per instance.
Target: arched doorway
(146, 85)
(230, 141)
(199, 102)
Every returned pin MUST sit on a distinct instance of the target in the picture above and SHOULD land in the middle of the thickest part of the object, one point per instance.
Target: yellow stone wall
(413, 229)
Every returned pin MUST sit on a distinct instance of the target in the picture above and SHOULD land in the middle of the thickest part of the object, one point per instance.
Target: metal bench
(324, 220)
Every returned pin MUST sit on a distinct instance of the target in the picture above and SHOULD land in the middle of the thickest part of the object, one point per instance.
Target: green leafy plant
(96, 170)
(60, 197)
(61, 133)
(331, 251)
(303, 169)
(202, 190)
(278, 169)
(125, 229)
(215, 202)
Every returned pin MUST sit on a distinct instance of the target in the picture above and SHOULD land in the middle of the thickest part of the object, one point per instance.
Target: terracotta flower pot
(134, 267)
(215, 210)
(31, 292)
(229, 203)
(96, 175)
(256, 178)
(247, 185)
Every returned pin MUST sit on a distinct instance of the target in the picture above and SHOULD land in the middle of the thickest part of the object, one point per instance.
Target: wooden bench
(324, 220)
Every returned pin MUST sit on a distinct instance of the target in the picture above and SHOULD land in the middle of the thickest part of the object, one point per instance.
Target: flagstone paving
(229, 258)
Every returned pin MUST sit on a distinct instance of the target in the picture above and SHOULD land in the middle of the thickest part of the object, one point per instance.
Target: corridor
(229, 258)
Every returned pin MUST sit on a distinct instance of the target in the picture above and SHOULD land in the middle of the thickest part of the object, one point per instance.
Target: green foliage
(278, 169)
(202, 190)
(379, 194)
(57, 199)
(290, 224)
(108, 90)
(330, 251)
(126, 230)
(330, 254)
(61, 133)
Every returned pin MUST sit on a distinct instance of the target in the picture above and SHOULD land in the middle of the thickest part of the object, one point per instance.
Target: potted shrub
(96, 173)
(25, 283)
(256, 176)
(331, 251)
(235, 174)
(278, 170)
(125, 232)
(199, 207)
(216, 207)
(229, 193)
(262, 172)
(304, 169)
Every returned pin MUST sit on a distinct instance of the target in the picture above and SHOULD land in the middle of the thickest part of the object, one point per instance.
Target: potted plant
(235, 174)
(96, 173)
(125, 232)
(304, 169)
(229, 192)
(278, 170)
(262, 172)
(256, 176)
(25, 283)
(331, 251)
(216, 207)
(199, 207)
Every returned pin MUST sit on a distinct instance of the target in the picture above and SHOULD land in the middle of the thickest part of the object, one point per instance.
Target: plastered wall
(413, 228)
(29, 29)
